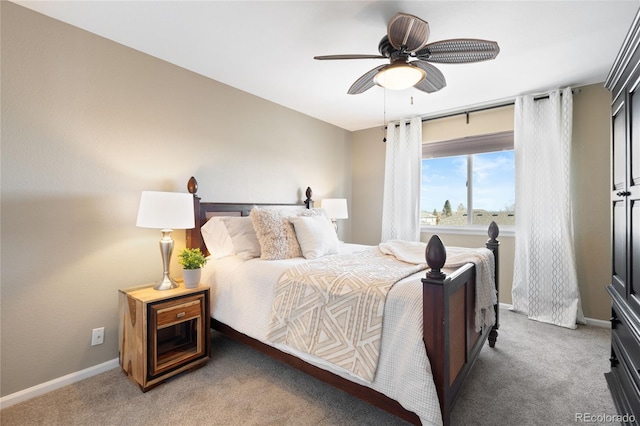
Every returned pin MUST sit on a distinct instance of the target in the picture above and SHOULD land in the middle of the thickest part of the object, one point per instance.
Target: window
(468, 181)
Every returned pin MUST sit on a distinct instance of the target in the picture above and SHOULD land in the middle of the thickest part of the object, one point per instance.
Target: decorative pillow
(226, 236)
(275, 233)
(316, 236)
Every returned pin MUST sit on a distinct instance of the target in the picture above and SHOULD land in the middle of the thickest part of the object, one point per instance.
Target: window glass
(444, 191)
(493, 188)
(475, 174)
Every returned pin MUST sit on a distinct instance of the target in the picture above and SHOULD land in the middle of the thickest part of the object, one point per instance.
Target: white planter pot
(191, 277)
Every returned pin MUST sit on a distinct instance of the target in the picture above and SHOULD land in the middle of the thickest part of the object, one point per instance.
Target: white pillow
(228, 236)
(217, 238)
(316, 236)
(243, 236)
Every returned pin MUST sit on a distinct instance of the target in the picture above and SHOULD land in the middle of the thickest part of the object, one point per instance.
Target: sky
(445, 179)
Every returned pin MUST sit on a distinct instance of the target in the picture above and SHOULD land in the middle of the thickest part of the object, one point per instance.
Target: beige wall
(368, 177)
(590, 189)
(482, 122)
(87, 124)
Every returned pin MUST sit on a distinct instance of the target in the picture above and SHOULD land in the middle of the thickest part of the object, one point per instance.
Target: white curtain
(401, 205)
(545, 284)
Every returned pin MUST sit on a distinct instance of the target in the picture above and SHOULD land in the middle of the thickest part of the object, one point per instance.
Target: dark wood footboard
(448, 319)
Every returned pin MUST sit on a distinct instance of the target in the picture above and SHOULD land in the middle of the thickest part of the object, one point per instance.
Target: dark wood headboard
(205, 210)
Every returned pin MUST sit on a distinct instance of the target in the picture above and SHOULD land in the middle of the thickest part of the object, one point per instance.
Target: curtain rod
(469, 111)
(489, 107)
(485, 108)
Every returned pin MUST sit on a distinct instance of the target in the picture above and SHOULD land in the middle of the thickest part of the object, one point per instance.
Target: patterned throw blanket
(333, 307)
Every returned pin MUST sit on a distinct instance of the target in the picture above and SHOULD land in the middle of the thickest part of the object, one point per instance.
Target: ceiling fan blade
(458, 51)
(408, 31)
(434, 80)
(365, 82)
(333, 57)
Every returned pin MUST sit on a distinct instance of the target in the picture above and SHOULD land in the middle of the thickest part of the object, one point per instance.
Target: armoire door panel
(633, 154)
(619, 148)
(633, 281)
(619, 144)
(619, 246)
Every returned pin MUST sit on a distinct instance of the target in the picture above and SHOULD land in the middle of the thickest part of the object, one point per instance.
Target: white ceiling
(266, 47)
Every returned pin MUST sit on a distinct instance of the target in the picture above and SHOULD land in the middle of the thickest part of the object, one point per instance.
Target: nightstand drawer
(169, 313)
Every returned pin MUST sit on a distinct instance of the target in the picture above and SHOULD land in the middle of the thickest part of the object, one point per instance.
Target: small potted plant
(192, 260)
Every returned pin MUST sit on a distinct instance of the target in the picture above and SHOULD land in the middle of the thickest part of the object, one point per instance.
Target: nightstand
(163, 333)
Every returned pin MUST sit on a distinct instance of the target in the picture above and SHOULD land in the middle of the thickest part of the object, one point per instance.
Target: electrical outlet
(97, 336)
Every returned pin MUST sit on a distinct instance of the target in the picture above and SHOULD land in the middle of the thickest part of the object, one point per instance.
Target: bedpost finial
(192, 185)
(308, 202)
(436, 256)
(493, 231)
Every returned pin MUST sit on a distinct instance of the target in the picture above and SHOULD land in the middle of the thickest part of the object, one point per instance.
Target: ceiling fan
(406, 38)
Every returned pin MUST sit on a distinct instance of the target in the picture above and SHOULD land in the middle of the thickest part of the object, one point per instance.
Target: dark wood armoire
(624, 83)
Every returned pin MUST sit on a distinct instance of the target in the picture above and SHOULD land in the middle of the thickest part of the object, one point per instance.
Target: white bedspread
(242, 294)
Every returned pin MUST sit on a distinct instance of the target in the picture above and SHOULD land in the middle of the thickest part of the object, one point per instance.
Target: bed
(425, 353)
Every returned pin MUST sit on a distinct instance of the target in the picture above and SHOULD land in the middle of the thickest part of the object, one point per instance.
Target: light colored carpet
(538, 374)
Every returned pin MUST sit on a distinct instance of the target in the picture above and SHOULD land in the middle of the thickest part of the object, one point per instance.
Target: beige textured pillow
(276, 234)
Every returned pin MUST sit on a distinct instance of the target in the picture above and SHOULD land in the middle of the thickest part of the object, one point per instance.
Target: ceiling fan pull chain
(384, 115)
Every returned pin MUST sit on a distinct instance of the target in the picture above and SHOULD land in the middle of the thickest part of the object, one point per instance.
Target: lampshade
(166, 210)
(399, 76)
(336, 208)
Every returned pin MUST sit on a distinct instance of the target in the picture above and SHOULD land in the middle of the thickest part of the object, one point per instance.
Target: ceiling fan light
(399, 76)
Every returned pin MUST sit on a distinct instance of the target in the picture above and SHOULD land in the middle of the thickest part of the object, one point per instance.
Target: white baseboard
(589, 321)
(598, 323)
(54, 384)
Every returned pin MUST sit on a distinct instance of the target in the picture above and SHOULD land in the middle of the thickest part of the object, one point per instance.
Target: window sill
(505, 230)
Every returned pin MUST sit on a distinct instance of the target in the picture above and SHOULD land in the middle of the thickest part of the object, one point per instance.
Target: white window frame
(470, 145)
